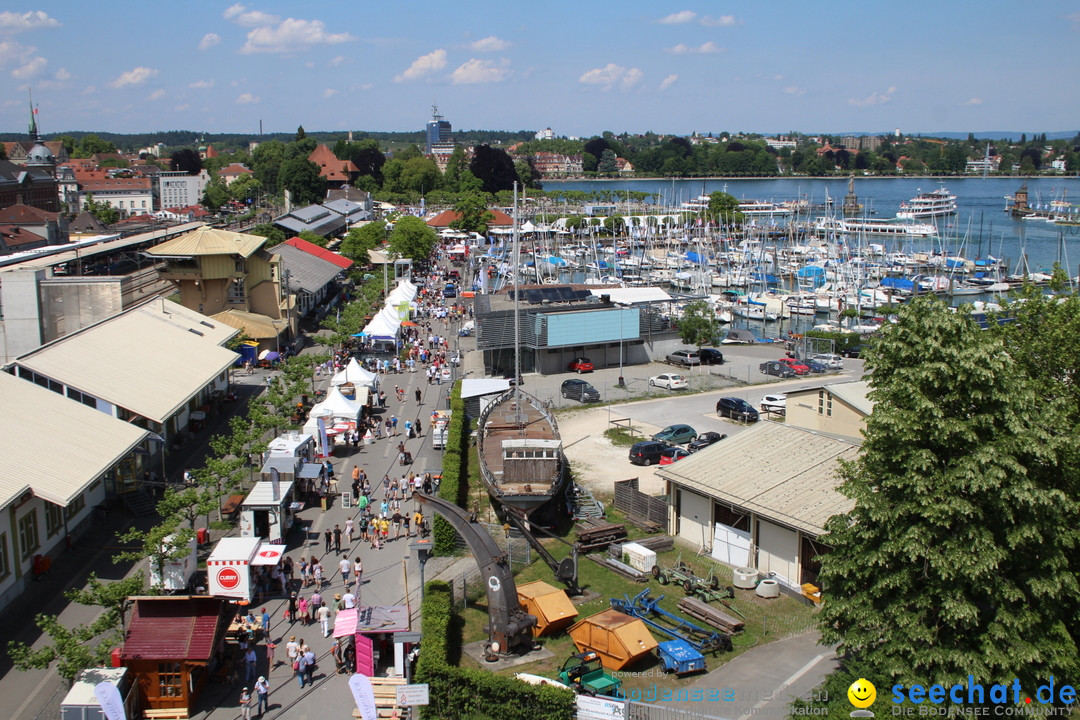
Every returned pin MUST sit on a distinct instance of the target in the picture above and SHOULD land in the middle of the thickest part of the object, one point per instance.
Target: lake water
(981, 223)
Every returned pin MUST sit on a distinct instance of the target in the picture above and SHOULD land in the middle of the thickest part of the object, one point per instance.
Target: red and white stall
(231, 565)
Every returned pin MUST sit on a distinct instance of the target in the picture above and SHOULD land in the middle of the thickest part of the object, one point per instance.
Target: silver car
(829, 360)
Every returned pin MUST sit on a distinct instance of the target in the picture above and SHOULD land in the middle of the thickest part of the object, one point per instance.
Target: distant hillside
(1011, 135)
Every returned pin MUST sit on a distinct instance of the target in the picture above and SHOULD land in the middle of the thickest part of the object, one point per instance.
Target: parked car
(646, 452)
(581, 365)
(687, 358)
(711, 356)
(777, 368)
(580, 390)
(830, 360)
(776, 403)
(671, 454)
(676, 434)
(852, 352)
(814, 366)
(705, 439)
(795, 365)
(671, 381)
(736, 409)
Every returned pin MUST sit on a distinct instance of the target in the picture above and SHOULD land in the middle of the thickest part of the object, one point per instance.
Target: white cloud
(722, 21)
(181, 108)
(13, 52)
(136, 76)
(489, 44)
(291, 36)
(424, 65)
(706, 48)
(240, 15)
(365, 86)
(209, 40)
(611, 74)
(329, 93)
(794, 90)
(974, 101)
(477, 72)
(874, 98)
(89, 90)
(30, 69)
(679, 18)
(339, 60)
(778, 78)
(246, 99)
(11, 22)
(62, 74)
(156, 95)
(201, 84)
(668, 82)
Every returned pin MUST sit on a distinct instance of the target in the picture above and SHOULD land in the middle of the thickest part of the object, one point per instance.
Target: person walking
(262, 691)
(323, 616)
(292, 650)
(249, 663)
(307, 666)
(271, 646)
(302, 608)
(419, 397)
(317, 574)
(292, 603)
(329, 537)
(349, 529)
(266, 624)
(343, 567)
(337, 538)
(245, 704)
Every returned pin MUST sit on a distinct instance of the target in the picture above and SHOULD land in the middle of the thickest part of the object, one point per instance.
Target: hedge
(458, 693)
(455, 472)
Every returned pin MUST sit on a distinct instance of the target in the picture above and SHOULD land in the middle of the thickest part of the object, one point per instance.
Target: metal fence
(470, 583)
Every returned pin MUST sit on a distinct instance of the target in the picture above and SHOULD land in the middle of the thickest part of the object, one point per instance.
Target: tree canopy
(361, 239)
(698, 325)
(186, 160)
(474, 214)
(959, 555)
(494, 168)
(301, 178)
(412, 238)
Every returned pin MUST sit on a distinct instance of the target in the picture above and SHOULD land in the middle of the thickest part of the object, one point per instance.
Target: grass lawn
(766, 620)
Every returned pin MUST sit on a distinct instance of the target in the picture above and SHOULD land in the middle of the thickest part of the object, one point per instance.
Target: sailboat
(518, 442)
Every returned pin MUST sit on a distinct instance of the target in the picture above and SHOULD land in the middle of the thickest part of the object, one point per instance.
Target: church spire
(33, 119)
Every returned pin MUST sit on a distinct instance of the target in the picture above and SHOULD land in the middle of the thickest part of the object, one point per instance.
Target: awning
(268, 555)
(345, 623)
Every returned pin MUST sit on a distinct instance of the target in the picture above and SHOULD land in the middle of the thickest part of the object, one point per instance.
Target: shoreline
(644, 178)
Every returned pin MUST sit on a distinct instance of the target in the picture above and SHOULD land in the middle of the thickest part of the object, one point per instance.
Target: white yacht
(873, 226)
(936, 203)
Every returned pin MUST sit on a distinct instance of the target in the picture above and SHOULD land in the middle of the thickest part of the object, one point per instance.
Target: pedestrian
(265, 623)
(287, 568)
(358, 570)
(271, 646)
(393, 424)
(307, 665)
(343, 567)
(302, 607)
(397, 525)
(292, 650)
(337, 538)
(249, 663)
(245, 704)
(349, 529)
(419, 397)
(262, 690)
(292, 602)
(316, 601)
(405, 522)
(419, 429)
(329, 537)
(348, 600)
(317, 574)
(339, 660)
(323, 617)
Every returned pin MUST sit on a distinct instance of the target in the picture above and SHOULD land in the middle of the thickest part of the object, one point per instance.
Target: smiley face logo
(862, 693)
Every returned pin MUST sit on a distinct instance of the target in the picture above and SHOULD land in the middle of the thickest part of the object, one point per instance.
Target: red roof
(173, 629)
(12, 236)
(312, 249)
(20, 214)
(443, 219)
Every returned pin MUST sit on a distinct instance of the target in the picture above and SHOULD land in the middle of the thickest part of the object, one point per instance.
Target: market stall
(372, 632)
(268, 512)
(237, 566)
(354, 373)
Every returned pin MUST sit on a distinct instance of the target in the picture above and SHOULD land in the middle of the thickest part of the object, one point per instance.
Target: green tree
(363, 238)
(494, 167)
(698, 325)
(245, 188)
(725, 208)
(266, 164)
(456, 166)
(93, 145)
(606, 162)
(103, 211)
(300, 134)
(272, 233)
(474, 214)
(301, 178)
(957, 558)
(216, 194)
(186, 160)
(412, 238)
(313, 237)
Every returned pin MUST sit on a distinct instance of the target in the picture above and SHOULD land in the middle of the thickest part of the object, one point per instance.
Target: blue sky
(579, 68)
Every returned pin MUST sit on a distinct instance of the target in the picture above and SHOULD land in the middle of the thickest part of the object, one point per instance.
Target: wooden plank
(710, 615)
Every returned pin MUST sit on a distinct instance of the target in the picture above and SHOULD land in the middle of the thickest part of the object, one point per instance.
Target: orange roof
(312, 249)
(443, 219)
(330, 168)
(20, 214)
(234, 169)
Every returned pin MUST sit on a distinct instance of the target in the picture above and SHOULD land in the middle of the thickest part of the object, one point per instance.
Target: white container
(638, 557)
(768, 588)
(744, 578)
(81, 703)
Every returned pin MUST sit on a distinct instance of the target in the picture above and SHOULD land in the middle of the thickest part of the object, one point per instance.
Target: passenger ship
(873, 226)
(937, 203)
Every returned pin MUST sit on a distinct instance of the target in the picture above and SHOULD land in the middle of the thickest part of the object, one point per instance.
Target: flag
(35, 111)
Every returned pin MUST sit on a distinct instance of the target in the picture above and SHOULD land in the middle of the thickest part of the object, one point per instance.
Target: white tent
(355, 373)
(404, 292)
(385, 325)
(337, 407)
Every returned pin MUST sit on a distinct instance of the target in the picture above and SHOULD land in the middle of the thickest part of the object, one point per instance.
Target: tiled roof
(330, 168)
(173, 629)
(299, 243)
(443, 219)
(20, 214)
(13, 236)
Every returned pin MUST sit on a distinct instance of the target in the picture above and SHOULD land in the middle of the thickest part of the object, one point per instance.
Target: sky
(579, 68)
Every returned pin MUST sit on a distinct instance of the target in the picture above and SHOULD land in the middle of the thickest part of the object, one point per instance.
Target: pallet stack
(708, 614)
(385, 689)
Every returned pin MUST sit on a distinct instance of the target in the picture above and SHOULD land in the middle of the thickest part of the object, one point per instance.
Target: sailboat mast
(517, 313)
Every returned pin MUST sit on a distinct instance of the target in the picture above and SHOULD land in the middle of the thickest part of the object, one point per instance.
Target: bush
(455, 472)
(460, 693)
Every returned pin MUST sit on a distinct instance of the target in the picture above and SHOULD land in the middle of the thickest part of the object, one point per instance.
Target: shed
(170, 647)
(617, 638)
(552, 608)
(81, 702)
(268, 510)
(229, 567)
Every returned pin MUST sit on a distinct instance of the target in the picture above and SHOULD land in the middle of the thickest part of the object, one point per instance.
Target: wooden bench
(385, 690)
(232, 505)
(166, 714)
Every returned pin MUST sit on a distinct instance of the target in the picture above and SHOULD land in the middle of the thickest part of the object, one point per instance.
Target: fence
(470, 583)
(632, 501)
(643, 711)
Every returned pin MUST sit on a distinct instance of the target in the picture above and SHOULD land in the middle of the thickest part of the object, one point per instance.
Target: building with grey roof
(312, 279)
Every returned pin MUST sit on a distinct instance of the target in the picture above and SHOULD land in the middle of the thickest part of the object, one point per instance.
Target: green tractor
(585, 674)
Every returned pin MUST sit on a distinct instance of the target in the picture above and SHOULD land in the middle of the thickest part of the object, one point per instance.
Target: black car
(705, 439)
(647, 452)
(580, 390)
(777, 368)
(711, 356)
(852, 352)
(736, 409)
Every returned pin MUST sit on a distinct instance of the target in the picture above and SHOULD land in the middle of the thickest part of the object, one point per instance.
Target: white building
(545, 134)
(780, 143)
(177, 189)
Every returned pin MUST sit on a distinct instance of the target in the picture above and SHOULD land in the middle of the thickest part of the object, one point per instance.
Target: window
(76, 506)
(28, 534)
(236, 290)
(54, 519)
(824, 403)
(170, 680)
(5, 564)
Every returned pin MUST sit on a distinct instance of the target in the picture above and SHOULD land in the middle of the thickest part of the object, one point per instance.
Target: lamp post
(622, 383)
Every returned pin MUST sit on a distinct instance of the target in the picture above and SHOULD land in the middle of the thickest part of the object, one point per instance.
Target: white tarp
(404, 292)
(355, 373)
(337, 406)
(384, 325)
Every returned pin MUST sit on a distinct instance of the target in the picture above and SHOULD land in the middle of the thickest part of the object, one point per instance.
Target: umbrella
(409, 323)
(360, 334)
